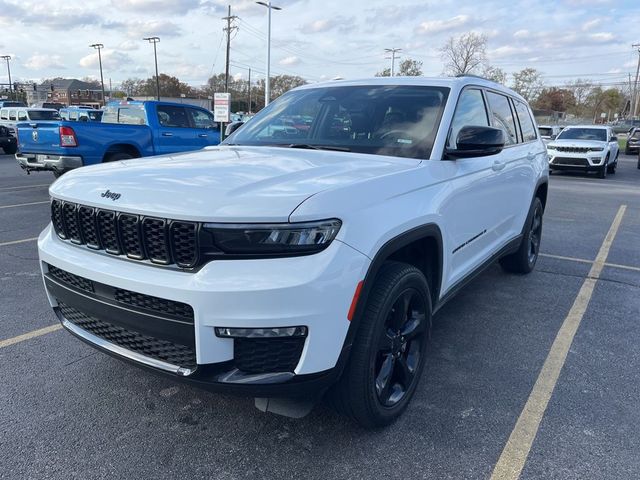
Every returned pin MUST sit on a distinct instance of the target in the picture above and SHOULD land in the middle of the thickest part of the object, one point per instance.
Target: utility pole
(7, 58)
(249, 106)
(267, 81)
(229, 28)
(99, 46)
(393, 52)
(634, 99)
(155, 40)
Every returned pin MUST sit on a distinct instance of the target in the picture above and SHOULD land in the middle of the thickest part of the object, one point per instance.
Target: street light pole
(99, 46)
(393, 52)
(7, 58)
(155, 40)
(267, 83)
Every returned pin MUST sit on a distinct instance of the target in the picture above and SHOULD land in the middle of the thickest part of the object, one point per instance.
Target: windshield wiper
(318, 147)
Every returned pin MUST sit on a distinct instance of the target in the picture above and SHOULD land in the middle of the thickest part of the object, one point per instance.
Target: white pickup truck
(292, 262)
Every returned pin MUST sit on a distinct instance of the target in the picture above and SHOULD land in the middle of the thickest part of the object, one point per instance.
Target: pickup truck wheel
(388, 354)
(11, 149)
(525, 258)
(114, 157)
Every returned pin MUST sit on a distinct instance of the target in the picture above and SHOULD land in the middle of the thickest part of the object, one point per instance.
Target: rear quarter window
(526, 124)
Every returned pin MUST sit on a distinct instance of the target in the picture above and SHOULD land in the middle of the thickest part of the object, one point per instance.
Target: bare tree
(528, 83)
(464, 54)
(407, 68)
(495, 74)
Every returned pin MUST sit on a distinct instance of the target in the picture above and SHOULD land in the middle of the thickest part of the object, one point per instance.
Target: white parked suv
(588, 148)
(290, 262)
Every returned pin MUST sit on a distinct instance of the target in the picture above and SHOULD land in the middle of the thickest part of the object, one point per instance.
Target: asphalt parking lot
(71, 412)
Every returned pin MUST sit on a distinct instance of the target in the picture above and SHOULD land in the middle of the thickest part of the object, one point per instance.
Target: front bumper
(313, 291)
(57, 163)
(586, 162)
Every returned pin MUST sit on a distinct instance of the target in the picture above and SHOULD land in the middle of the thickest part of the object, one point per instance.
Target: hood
(576, 143)
(233, 184)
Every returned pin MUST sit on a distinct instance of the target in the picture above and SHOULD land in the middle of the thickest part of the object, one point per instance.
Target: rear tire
(388, 354)
(525, 258)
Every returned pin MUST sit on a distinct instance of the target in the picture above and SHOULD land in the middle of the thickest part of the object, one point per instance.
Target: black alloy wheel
(400, 347)
(535, 234)
(389, 350)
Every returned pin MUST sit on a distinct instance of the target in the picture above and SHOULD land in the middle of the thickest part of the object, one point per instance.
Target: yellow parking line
(571, 259)
(23, 187)
(582, 260)
(515, 453)
(23, 204)
(14, 242)
(29, 335)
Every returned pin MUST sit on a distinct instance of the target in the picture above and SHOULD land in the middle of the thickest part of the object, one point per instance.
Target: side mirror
(614, 138)
(477, 141)
(232, 127)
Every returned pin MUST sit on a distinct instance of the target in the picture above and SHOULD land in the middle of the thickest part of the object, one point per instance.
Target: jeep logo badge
(34, 135)
(112, 195)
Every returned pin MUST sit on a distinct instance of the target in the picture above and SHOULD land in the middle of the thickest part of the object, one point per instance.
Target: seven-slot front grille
(573, 149)
(162, 241)
(170, 352)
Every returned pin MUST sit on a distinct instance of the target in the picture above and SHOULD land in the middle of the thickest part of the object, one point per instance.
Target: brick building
(66, 91)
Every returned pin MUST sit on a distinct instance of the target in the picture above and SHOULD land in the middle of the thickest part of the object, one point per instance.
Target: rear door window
(526, 124)
(170, 116)
(502, 116)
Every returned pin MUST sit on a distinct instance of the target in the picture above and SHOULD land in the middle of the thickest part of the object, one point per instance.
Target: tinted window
(394, 120)
(598, 134)
(502, 116)
(470, 111)
(526, 124)
(170, 116)
(201, 119)
(545, 131)
(44, 115)
(22, 115)
(133, 115)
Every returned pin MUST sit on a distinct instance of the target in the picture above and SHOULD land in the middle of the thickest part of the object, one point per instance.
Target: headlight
(273, 239)
(596, 149)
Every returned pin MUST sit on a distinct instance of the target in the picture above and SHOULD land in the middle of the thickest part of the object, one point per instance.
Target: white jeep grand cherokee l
(289, 262)
(588, 148)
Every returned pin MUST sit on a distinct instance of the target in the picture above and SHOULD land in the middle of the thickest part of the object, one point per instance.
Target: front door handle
(167, 134)
(203, 135)
(498, 165)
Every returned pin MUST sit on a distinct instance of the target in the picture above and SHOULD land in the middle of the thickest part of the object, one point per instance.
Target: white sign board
(222, 107)
(603, 115)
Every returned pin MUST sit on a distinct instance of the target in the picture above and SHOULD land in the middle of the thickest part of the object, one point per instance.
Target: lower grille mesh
(173, 353)
(264, 355)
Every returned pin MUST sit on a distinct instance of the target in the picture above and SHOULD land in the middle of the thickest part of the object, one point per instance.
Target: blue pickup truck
(128, 130)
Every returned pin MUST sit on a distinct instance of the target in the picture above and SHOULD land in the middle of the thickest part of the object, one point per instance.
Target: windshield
(43, 115)
(598, 134)
(545, 131)
(383, 120)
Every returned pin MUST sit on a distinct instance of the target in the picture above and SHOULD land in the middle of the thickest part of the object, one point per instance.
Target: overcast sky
(316, 39)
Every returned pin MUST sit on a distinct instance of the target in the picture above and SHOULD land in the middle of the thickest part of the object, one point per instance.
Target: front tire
(525, 258)
(602, 172)
(388, 354)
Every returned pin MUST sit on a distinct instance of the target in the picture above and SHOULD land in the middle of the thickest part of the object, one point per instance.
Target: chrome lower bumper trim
(134, 356)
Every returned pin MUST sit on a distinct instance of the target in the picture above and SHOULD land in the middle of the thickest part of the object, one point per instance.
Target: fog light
(277, 332)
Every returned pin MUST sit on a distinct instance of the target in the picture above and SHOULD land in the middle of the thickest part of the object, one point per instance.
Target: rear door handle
(531, 157)
(203, 135)
(498, 165)
(167, 134)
